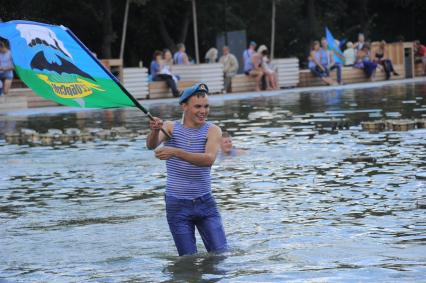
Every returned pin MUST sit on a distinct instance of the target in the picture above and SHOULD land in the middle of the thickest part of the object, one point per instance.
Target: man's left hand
(165, 152)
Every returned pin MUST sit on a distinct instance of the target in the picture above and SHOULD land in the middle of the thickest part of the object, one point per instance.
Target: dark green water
(293, 209)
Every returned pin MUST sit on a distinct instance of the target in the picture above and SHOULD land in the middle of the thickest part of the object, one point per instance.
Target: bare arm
(185, 59)
(255, 61)
(205, 159)
(156, 137)
(316, 61)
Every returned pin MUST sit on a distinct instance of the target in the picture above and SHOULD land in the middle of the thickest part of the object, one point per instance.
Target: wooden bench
(350, 75)
(418, 69)
(12, 101)
(34, 100)
(22, 98)
(160, 89)
(243, 83)
(288, 76)
(17, 83)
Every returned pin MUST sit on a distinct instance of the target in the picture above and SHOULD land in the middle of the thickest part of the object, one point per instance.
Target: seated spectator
(349, 54)
(365, 62)
(316, 60)
(252, 64)
(230, 67)
(420, 54)
(386, 64)
(168, 65)
(6, 68)
(180, 57)
(328, 60)
(361, 42)
(159, 72)
(211, 55)
(268, 69)
(227, 149)
(168, 58)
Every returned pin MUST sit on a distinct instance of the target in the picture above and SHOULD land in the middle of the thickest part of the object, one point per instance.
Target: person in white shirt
(350, 54)
(230, 67)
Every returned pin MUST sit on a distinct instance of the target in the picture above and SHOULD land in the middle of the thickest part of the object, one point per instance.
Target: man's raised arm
(205, 159)
(156, 137)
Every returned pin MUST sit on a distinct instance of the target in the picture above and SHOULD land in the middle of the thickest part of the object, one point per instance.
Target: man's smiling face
(196, 109)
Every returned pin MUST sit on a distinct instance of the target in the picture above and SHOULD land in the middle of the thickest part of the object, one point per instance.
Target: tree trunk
(312, 20)
(107, 29)
(164, 33)
(365, 21)
(312, 24)
(185, 26)
(167, 39)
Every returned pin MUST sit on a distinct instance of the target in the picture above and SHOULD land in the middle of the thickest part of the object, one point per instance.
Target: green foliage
(298, 22)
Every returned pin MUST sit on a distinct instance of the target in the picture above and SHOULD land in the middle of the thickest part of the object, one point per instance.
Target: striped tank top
(185, 180)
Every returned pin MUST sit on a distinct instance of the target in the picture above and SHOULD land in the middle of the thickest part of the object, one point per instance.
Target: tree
(108, 34)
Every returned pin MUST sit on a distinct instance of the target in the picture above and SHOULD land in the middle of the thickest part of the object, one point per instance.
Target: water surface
(294, 210)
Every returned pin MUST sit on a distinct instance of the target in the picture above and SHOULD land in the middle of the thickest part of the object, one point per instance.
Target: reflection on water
(204, 268)
(294, 208)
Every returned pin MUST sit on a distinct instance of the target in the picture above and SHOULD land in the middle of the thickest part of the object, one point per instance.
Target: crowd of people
(360, 55)
(258, 64)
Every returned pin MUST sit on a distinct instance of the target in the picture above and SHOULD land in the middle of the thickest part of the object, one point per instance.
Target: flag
(53, 62)
(338, 55)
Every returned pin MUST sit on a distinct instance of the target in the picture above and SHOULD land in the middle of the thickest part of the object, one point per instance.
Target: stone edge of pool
(214, 99)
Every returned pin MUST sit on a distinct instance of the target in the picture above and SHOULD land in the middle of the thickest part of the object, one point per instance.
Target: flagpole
(194, 23)
(123, 34)
(134, 100)
(273, 29)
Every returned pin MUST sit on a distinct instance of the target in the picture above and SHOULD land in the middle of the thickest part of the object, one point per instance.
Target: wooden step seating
(350, 75)
(418, 69)
(159, 89)
(22, 97)
(287, 69)
(243, 83)
(17, 83)
(16, 95)
(14, 100)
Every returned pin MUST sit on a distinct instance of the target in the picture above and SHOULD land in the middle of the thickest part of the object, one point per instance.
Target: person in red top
(420, 54)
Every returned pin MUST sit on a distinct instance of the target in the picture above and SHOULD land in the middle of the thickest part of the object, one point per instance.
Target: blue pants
(6, 75)
(183, 215)
(338, 68)
(318, 72)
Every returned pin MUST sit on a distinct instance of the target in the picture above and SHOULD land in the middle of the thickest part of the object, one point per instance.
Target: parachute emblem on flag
(56, 65)
(51, 56)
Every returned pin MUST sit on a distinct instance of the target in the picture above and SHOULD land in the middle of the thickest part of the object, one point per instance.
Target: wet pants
(183, 215)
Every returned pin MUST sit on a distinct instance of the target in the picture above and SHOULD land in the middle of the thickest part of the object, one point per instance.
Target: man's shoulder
(214, 129)
(169, 125)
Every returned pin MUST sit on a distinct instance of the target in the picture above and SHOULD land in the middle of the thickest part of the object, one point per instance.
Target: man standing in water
(189, 155)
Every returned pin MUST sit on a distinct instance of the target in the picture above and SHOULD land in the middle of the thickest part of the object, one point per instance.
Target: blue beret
(253, 43)
(190, 91)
